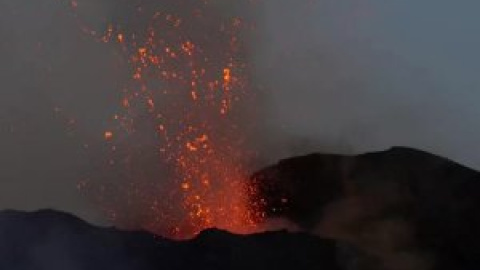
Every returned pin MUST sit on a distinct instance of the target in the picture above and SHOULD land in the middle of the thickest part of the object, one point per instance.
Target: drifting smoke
(362, 201)
(369, 221)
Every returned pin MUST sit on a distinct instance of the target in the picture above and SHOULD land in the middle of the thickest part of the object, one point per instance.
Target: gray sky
(345, 76)
(370, 74)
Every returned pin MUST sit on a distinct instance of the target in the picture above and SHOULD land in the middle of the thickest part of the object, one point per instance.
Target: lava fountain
(189, 90)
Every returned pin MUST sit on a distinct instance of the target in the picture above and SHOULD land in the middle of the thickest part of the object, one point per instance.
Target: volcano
(403, 208)
(399, 209)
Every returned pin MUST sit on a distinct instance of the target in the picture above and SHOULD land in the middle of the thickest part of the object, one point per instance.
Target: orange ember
(108, 135)
(189, 77)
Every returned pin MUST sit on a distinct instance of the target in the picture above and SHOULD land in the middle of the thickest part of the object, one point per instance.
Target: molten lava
(189, 82)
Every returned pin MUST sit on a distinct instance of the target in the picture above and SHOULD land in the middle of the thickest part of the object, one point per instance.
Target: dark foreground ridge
(404, 208)
(400, 209)
(50, 240)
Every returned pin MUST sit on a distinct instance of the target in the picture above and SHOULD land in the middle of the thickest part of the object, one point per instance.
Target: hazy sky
(346, 76)
(377, 73)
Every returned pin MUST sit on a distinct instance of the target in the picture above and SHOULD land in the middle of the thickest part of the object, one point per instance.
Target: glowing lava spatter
(189, 78)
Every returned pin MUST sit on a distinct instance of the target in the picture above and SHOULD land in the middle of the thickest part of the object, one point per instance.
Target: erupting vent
(189, 82)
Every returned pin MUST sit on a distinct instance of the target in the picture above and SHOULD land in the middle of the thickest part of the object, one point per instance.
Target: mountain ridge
(49, 239)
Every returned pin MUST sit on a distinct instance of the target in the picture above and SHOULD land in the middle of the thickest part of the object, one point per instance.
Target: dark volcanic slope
(58, 241)
(407, 208)
(400, 209)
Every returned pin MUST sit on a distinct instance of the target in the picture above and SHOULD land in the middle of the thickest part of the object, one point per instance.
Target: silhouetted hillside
(58, 241)
(405, 208)
(400, 209)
